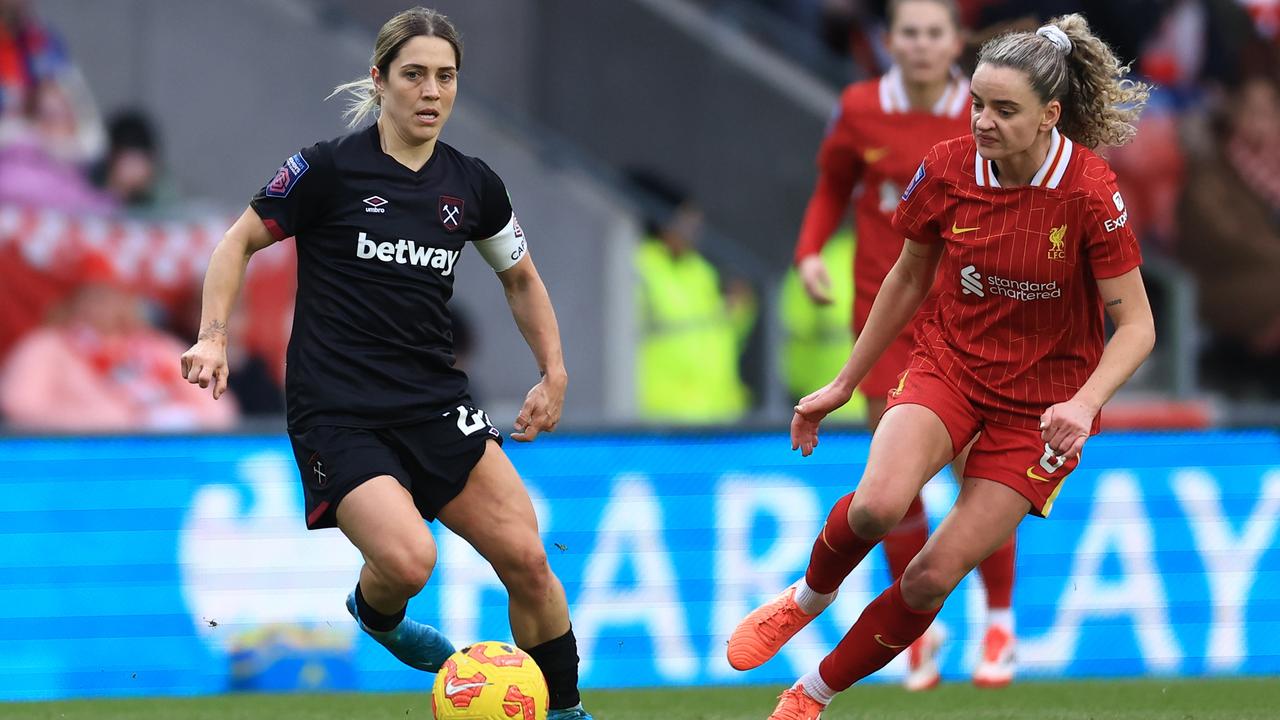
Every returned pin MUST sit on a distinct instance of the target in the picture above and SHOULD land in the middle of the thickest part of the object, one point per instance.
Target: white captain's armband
(504, 250)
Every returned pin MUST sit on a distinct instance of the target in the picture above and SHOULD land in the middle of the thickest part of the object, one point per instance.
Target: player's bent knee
(926, 584)
(871, 517)
(527, 572)
(406, 579)
(405, 571)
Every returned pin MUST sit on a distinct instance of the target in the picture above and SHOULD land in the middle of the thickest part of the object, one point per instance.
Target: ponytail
(1065, 61)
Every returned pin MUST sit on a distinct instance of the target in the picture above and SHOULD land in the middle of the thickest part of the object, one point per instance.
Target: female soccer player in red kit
(882, 129)
(1024, 229)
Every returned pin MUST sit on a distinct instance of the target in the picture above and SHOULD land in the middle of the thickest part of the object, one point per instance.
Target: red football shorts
(1012, 456)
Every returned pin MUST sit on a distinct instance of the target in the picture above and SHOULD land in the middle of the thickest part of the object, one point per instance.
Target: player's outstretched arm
(904, 288)
(206, 362)
(840, 167)
(531, 308)
(1066, 426)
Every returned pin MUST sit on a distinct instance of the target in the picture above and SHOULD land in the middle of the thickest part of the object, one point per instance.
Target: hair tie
(1054, 34)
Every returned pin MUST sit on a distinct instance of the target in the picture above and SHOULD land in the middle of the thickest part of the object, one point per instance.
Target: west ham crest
(451, 212)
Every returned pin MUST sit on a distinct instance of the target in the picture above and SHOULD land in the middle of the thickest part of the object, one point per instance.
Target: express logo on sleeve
(1113, 224)
(287, 176)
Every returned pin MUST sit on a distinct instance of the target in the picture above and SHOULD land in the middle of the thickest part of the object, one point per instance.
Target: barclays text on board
(144, 566)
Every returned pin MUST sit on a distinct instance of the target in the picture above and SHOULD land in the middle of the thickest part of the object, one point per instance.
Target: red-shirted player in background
(882, 130)
(1025, 230)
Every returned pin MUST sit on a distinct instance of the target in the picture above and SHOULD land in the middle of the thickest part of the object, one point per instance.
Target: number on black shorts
(470, 423)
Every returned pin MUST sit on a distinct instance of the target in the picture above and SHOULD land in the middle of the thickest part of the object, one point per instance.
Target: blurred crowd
(1201, 180)
(102, 255)
(101, 261)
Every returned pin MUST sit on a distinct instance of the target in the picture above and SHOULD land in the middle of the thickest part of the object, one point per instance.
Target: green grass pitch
(1233, 699)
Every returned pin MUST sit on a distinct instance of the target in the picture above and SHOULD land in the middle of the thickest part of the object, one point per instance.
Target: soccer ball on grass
(490, 681)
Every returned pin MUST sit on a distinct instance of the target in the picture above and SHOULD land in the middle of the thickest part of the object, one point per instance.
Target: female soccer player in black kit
(381, 422)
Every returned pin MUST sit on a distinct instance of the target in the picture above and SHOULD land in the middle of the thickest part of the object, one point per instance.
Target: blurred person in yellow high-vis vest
(819, 338)
(692, 330)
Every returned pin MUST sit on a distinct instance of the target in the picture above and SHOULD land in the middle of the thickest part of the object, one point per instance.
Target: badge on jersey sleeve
(287, 176)
(914, 182)
(451, 212)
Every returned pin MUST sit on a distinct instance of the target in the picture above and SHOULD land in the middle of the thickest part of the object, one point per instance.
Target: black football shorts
(431, 459)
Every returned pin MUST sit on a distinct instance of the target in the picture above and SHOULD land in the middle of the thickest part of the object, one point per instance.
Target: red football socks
(904, 541)
(837, 551)
(885, 628)
(997, 574)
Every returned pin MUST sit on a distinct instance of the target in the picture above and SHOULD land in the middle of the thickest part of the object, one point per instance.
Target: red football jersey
(875, 143)
(1019, 321)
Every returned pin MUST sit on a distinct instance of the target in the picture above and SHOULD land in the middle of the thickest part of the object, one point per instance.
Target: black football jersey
(378, 245)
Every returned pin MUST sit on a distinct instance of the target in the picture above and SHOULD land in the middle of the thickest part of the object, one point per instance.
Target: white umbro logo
(375, 204)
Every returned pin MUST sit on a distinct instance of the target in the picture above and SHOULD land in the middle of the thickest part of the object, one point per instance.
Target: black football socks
(374, 620)
(558, 660)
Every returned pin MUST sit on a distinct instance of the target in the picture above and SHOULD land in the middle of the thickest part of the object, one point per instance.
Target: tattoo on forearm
(1117, 301)
(213, 329)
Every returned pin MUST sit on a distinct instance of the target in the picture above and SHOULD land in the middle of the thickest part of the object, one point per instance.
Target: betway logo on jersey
(407, 251)
(972, 282)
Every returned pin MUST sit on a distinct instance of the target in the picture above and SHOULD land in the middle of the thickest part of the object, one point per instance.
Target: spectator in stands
(37, 78)
(101, 368)
(49, 128)
(1230, 240)
(691, 330)
(131, 172)
(1266, 17)
(29, 55)
(33, 174)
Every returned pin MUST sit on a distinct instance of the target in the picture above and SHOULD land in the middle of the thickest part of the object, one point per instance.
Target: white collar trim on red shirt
(893, 94)
(1050, 173)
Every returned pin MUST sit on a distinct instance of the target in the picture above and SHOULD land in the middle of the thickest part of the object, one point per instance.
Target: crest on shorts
(902, 384)
(317, 469)
(451, 212)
